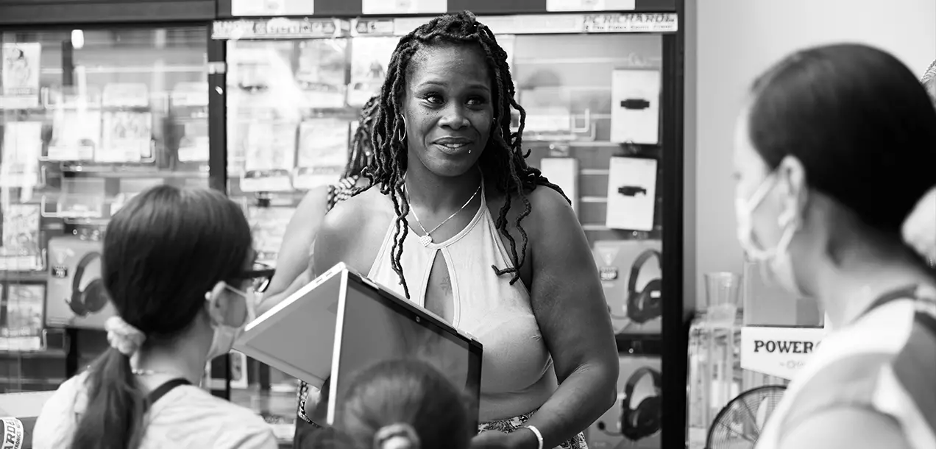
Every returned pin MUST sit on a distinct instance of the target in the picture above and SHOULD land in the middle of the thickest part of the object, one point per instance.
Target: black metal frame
(217, 114)
(71, 13)
(675, 333)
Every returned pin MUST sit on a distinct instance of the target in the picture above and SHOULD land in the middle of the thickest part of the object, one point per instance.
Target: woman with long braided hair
(456, 221)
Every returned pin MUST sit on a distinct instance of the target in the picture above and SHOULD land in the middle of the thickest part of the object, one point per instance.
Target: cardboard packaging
(76, 296)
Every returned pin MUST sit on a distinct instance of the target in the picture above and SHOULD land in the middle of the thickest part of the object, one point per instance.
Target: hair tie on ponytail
(126, 338)
(398, 435)
(919, 229)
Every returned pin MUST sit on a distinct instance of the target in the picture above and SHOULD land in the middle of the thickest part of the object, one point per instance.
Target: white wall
(730, 42)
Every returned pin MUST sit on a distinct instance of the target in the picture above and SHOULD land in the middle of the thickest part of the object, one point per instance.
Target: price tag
(590, 5)
(246, 8)
(254, 8)
(404, 6)
(373, 27)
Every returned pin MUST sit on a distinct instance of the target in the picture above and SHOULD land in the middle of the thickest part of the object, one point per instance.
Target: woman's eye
(433, 98)
(476, 101)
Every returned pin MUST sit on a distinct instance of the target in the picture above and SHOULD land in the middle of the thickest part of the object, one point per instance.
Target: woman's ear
(216, 304)
(792, 180)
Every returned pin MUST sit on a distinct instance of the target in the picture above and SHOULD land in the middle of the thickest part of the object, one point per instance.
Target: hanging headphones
(641, 422)
(648, 303)
(93, 298)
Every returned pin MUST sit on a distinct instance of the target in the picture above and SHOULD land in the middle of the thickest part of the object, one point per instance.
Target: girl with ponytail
(176, 265)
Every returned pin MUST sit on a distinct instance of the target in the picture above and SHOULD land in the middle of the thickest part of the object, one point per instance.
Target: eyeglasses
(260, 275)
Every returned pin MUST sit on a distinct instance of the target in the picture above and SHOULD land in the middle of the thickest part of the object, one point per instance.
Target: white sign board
(778, 351)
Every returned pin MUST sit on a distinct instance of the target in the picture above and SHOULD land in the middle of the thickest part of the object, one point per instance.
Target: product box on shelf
(21, 312)
(76, 294)
(634, 420)
(631, 277)
(20, 246)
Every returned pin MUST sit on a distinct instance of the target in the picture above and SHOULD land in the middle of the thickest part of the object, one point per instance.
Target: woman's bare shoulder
(352, 231)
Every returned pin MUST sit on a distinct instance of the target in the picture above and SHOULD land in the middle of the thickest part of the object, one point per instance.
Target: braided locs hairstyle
(503, 161)
(361, 146)
(929, 81)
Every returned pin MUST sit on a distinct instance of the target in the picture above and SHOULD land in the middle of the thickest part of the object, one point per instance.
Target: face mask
(225, 335)
(777, 260)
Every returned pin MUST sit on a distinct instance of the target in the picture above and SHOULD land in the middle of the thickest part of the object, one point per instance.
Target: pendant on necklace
(425, 240)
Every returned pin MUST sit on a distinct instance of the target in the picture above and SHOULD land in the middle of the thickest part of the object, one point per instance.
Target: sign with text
(277, 28)
(630, 23)
(778, 351)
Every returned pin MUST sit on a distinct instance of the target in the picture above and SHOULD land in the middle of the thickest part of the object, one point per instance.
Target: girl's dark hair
(407, 393)
(162, 252)
(858, 120)
(361, 146)
(503, 161)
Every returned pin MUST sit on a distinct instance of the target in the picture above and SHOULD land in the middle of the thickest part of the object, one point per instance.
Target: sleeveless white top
(517, 374)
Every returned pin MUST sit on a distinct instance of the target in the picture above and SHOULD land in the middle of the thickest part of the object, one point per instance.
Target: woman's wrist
(524, 437)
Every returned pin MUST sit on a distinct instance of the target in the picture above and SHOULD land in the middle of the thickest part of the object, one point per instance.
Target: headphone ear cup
(653, 299)
(94, 296)
(76, 304)
(648, 302)
(646, 418)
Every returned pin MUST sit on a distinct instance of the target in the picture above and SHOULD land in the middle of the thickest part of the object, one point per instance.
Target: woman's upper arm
(293, 256)
(333, 243)
(845, 427)
(567, 296)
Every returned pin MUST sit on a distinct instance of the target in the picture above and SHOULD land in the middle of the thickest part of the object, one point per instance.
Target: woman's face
(447, 108)
(752, 178)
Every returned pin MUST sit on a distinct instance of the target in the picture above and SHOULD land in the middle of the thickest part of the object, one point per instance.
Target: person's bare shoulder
(352, 231)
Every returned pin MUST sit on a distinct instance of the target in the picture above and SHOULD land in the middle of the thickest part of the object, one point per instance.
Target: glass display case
(88, 118)
(592, 88)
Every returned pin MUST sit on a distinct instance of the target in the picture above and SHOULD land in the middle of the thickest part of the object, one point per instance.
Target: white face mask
(224, 334)
(777, 259)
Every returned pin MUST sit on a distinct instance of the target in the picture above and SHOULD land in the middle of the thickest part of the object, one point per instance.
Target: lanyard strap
(164, 389)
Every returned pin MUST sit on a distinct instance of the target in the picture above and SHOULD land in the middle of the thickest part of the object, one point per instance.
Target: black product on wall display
(93, 298)
(644, 420)
(647, 303)
(76, 296)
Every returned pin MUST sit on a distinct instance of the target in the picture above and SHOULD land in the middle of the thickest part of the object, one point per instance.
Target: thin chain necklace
(148, 372)
(426, 238)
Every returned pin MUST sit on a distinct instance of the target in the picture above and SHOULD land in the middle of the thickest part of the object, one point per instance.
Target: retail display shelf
(22, 354)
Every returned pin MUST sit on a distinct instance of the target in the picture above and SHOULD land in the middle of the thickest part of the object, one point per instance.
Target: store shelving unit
(100, 101)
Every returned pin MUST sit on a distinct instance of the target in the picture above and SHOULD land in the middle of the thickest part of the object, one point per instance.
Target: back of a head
(404, 404)
(859, 121)
(162, 251)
